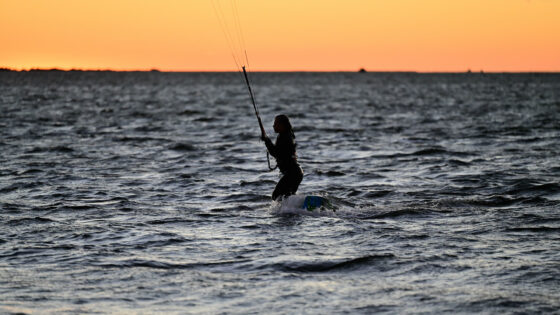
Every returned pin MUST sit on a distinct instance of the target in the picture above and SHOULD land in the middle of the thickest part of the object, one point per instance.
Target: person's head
(282, 124)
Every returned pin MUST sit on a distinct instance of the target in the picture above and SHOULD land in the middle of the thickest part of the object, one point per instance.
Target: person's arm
(270, 146)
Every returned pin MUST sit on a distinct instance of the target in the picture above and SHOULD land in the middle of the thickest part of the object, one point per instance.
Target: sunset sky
(286, 35)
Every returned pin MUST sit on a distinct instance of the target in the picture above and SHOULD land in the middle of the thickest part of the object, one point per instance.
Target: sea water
(149, 192)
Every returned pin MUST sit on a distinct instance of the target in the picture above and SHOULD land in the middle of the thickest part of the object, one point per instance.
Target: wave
(60, 148)
(504, 201)
(160, 243)
(138, 139)
(458, 162)
(244, 197)
(328, 265)
(6, 206)
(22, 221)
(377, 194)
(535, 219)
(534, 229)
(260, 183)
(425, 152)
(30, 171)
(182, 147)
(190, 112)
(400, 213)
(490, 303)
(24, 185)
(526, 187)
(170, 221)
(206, 119)
(331, 173)
(154, 264)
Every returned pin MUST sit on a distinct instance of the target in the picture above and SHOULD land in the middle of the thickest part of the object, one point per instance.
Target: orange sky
(283, 35)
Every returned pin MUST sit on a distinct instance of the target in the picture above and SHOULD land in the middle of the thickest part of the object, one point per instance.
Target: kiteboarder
(285, 148)
(284, 151)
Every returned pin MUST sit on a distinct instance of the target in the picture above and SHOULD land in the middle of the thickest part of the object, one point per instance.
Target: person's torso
(286, 153)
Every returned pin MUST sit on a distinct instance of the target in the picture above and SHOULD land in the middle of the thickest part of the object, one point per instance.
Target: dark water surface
(148, 192)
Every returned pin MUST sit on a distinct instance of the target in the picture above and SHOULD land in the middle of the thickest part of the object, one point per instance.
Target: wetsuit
(285, 153)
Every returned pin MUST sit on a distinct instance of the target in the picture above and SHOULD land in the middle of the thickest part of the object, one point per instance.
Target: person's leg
(295, 180)
(282, 188)
(288, 184)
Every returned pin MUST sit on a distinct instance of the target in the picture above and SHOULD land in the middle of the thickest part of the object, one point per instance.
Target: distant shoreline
(287, 71)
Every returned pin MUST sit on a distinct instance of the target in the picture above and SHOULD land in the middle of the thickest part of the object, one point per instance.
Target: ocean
(149, 192)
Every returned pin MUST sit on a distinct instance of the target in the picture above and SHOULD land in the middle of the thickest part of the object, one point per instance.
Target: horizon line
(359, 70)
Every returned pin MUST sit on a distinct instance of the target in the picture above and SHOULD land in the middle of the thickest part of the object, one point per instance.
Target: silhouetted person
(286, 158)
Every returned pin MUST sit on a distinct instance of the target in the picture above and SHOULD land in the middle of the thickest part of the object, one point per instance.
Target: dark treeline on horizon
(73, 70)
(361, 70)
